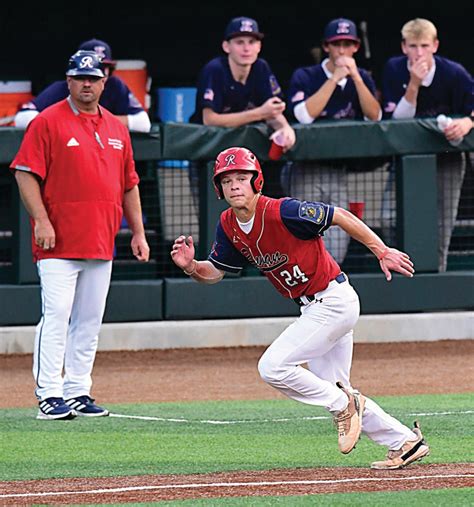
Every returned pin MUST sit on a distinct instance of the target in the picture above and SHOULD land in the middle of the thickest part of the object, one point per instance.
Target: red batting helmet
(237, 159)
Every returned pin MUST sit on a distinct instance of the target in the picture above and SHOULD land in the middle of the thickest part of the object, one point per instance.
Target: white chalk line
(233, 485)
(275, 420)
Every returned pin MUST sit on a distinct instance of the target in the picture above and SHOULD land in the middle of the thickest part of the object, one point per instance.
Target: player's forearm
(358, 230)
(411, 94)
(204, 272)
(318, 101)
(30, 194)
(132, 209)
(279, 122)
(212, 118)
(368, 103)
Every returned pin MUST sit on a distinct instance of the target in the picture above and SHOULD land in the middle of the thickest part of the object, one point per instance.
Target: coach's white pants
(73, 295)
(322, 337)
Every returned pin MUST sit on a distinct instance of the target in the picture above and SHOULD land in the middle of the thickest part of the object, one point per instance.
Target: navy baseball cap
(238, 27)
(340, 29)
(85, 63)
(101, 48)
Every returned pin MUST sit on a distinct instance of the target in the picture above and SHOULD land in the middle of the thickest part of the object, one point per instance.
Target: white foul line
(276, 420)
(232, 485)
(213, 421)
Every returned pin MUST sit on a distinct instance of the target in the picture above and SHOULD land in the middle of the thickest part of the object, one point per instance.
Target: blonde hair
(418, 28)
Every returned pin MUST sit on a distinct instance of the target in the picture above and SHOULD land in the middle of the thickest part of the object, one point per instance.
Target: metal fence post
(210, 209)
(417, 211)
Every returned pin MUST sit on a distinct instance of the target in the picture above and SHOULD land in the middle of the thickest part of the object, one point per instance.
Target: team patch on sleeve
(276, 90)
(312, 211)
(298, 96)
(209, 94)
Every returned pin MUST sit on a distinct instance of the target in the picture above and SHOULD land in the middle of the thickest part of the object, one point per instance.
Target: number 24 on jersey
(292, 279)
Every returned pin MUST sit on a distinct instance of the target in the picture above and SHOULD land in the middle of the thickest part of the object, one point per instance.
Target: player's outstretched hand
(394, 260)
(183, 252)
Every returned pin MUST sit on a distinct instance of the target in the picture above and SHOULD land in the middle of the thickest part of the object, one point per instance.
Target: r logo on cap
(87, 63)
(343, 27)
(246, 25)
(340, 29)
(242, 26)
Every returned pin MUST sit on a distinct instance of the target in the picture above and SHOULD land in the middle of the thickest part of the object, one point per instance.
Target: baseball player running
(283, 239)
(76, 176)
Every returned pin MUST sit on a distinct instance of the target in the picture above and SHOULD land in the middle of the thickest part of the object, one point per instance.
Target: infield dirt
(231, 374)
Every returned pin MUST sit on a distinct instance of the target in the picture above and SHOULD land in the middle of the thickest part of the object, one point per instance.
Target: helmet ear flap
(253, 182)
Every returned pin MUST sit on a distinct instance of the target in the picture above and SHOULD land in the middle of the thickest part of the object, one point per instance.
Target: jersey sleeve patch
(275, 87)
(305, 219)
(314, 212)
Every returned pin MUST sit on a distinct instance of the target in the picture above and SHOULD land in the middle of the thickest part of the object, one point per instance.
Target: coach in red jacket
(76, 176)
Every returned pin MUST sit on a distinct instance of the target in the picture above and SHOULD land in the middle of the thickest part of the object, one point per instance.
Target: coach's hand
(45, 236)
(140, 248)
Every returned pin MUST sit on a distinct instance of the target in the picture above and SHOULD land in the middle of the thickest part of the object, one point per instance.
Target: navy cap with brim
(91, 73)
(342, 37)
(257, 35)
(242, 27)
(102, 48)
(340, 29)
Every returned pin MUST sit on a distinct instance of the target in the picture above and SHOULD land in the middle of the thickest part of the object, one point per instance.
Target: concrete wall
(251, 332)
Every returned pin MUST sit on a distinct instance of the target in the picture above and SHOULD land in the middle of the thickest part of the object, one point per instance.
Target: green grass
(439, 497)
(89, 447)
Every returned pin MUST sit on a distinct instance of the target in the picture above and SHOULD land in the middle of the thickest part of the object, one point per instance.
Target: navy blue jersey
(116, 97)
(219, 91)
(344, 102)
(451, 91)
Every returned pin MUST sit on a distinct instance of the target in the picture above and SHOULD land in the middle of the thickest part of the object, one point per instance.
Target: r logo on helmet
(230, 159)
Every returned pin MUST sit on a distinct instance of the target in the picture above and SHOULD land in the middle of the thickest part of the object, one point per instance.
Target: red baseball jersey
(85, 165)
(285, 244)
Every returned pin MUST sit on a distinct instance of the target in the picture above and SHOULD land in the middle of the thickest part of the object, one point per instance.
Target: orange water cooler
(13, 94)
(135, 75)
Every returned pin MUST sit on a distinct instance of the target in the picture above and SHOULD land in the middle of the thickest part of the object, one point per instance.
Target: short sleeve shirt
(344, 102)
(285, 244)
(85, 165)
(450, 92)
(218, 90)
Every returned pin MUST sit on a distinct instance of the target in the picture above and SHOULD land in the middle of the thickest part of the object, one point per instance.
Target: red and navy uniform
(344, 102)
(116, 97)
(451, 91)
(285, 244)
(85, 165)
(219, 91)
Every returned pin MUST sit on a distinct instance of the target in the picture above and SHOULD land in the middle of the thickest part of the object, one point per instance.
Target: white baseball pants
(322, 337)
(73, 294)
